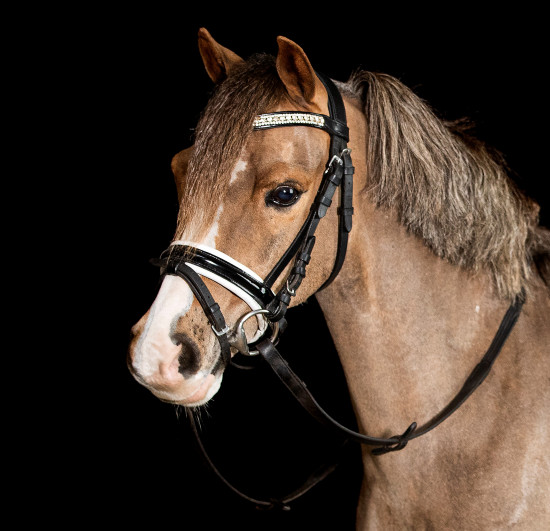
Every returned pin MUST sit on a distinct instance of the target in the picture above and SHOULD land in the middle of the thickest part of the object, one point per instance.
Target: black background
(140, 86)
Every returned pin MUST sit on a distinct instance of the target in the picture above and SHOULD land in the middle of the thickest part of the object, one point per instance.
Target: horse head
(245, 191)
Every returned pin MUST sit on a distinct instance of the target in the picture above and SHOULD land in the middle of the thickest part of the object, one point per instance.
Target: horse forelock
(445, 186)
(220, 135)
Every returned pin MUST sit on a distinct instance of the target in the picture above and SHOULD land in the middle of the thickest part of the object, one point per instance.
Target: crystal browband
(311, 119)
(288, 118)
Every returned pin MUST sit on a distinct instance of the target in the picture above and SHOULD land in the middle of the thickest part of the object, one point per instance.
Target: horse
(444, 256)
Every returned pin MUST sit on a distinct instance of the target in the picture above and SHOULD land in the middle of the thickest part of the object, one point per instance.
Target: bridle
(190, 262)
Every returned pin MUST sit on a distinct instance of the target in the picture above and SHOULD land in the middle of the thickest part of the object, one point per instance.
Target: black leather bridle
(338, 173)
(185, 260)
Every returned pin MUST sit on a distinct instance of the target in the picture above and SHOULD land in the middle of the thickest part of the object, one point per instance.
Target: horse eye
(284, 195)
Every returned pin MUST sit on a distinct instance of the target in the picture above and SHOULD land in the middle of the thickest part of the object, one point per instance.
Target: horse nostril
(189, 357)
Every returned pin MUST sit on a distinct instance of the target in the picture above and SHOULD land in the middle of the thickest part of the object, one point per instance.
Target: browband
(285, 118)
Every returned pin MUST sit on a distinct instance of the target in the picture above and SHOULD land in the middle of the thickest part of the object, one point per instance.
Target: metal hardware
(338, 159)
(221, 332)
(333, 159)
(237, 336)
(289, 289)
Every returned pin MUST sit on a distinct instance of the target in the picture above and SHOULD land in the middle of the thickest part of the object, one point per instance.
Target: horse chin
(192, 394)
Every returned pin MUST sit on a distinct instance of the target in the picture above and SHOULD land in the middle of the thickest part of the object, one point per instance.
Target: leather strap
(383, 445)
(345, 212)
(321, 472)
(299, 389)
(207, 302)
(253, 287)
(339, 173)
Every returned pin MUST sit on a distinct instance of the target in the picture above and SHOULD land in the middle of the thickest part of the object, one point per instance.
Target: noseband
(190, 262)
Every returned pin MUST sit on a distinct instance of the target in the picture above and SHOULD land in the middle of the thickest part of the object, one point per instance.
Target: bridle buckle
(337, 158)
(220, 332)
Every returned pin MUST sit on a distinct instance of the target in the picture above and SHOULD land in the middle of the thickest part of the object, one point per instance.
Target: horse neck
(408, 326)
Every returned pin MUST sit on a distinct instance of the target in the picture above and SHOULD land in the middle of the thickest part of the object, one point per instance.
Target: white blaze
(155, 345)
(239, 167)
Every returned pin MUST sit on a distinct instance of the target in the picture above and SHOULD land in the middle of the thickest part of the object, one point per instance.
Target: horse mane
(447, 187)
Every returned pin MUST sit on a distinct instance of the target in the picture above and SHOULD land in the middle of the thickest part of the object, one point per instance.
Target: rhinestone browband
(311, 119)
(274, 119)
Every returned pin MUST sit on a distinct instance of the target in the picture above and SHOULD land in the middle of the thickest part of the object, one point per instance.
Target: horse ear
(298, 76)
(218, 61)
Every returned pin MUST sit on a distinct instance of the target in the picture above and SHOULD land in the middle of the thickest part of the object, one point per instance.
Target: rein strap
(299, 389)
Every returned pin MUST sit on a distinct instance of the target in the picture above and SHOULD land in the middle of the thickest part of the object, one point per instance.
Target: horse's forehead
(298, 146)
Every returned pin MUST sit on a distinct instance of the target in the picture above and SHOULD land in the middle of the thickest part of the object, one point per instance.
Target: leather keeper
(305, 257)
(336, 128)
(349, 170)
(284, 297)
(335, 178)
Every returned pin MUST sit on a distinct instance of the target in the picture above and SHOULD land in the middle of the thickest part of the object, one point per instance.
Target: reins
(384, 445)
(190, 262)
